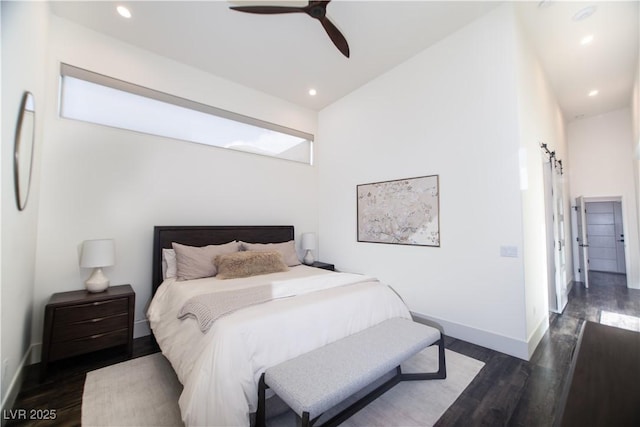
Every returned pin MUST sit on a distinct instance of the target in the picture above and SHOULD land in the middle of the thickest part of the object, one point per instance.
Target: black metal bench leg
(261, 410)
(442, 364)
(441, 374)
(305, 420)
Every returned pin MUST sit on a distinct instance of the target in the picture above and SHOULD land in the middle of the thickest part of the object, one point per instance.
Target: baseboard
(141, 328)
(14, 388)
(36, 353)
(534, 338)
(497, 342)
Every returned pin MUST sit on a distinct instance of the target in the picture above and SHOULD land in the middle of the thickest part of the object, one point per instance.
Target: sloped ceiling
(606, 64)
(286, 55)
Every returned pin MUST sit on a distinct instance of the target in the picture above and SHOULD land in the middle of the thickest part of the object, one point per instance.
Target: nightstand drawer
(84, 328)
(87, 344)
(91, 310)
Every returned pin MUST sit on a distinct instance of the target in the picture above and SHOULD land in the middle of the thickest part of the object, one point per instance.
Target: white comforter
(220, 369)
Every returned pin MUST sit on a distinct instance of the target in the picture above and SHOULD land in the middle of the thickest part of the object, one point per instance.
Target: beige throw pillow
(196, 262)
(286, 249)
(248, 263)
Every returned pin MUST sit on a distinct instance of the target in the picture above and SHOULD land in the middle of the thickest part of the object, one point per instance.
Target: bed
(220, 367)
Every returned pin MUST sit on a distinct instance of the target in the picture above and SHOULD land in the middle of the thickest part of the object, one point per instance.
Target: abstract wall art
(403, 211)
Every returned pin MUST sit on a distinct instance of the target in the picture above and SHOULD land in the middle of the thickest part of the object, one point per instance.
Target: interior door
(560, 242)
(617, 209)
(603, 233)
(552, 282)
(583, 244)
(556, 253)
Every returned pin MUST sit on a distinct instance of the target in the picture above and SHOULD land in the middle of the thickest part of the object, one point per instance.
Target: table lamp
(97, 254)
(308, 244)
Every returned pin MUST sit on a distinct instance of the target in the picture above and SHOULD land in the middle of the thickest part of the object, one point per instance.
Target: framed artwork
(402, 211)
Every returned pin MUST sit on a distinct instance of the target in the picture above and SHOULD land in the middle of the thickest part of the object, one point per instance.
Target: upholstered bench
(318, 380)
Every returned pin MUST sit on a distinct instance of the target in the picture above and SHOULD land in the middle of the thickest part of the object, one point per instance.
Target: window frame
(121, 85)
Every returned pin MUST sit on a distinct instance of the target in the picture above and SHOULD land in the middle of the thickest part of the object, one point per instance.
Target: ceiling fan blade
(267, 10)
(316, 9)
(336, 36)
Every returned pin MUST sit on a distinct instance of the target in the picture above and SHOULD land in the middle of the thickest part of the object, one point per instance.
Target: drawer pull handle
(100, 319)
(100, 302)
(92, 337)
(96, 336)
(116, 319)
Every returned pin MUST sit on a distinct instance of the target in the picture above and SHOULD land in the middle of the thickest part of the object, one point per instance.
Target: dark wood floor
(507, 392)
(512, 392)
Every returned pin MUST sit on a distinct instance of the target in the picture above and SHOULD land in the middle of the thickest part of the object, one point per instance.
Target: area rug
(145, 392)
(618, 320)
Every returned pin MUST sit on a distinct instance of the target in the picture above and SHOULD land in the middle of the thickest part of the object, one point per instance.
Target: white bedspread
(220, 369)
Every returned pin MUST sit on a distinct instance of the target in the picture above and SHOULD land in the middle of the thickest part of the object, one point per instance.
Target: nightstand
(79, 322)
(323, 265)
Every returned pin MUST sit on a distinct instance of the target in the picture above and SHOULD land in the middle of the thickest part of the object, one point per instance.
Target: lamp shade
(308, 241)
(98, 253)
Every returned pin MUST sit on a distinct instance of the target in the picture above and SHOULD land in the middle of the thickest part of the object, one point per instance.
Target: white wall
(635, 111)
(24, 50)
(541, 121)
(601, 158)
(635, 119)
(450, 110)
(101, 182)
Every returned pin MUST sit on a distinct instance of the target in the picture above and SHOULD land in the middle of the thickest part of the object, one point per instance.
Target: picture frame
(402, 211)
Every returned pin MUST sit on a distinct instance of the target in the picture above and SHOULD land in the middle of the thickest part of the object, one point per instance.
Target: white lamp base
(97, 282)
(308, 258)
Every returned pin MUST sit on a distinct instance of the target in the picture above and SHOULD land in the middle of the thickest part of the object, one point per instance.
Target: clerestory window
(95, 98)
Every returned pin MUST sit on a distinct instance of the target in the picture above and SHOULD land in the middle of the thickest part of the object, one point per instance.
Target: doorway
(605, 236)
(600, 237)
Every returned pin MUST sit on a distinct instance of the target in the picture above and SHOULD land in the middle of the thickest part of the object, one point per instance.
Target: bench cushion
(320, 379)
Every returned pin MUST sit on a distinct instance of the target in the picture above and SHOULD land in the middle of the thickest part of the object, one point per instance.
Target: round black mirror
(23, 149)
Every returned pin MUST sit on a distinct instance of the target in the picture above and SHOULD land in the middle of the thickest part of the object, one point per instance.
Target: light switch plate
(509, 251)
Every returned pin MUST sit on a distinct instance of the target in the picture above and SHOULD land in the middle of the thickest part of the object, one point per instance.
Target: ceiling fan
(315, 9)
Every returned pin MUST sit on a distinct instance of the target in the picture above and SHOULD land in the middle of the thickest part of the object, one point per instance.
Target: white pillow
(169, 267)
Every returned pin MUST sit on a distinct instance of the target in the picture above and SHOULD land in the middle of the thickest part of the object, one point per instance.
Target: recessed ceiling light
(584, 13)
(124, 12)
(594, 92)
(313, 92)
(586, 39)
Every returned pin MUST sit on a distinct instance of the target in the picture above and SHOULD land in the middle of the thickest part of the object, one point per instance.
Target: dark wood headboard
(163, 236)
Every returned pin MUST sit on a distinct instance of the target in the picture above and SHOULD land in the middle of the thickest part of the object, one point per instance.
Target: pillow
(249, 263)
(169, 268)
(286, 249)
(196, 262)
